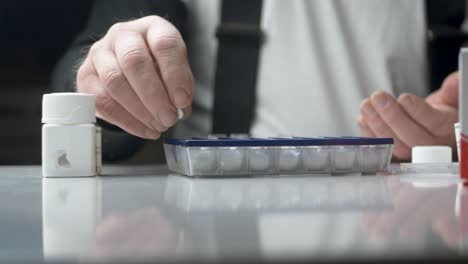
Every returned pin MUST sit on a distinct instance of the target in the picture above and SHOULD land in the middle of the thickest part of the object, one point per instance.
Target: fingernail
(380, 100)
(181, 98)
(151, 134)
(406, 101)
(168, 117)
(157, 126)
(369, 110)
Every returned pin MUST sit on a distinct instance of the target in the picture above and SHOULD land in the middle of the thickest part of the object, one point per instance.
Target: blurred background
(35, 34)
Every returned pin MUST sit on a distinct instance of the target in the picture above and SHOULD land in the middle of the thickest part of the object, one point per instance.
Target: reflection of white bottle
(70, 140)
(70, 213)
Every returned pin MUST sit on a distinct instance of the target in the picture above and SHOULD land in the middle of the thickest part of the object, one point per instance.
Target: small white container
(431, 154)
(71, 143)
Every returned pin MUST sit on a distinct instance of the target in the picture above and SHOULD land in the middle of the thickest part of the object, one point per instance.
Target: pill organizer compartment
(233, 160)
(262, 160)
(375, 157)
(346, 159)
(176, 158)
(291, 160)
(171, 157)
(203, 160)
(273, 156)
(318, 159)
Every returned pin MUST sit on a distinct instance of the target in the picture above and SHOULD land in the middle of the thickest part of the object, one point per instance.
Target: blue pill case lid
(277, 141)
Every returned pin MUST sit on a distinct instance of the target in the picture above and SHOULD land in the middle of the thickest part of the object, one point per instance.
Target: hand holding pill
(140, 76)
(411, 120)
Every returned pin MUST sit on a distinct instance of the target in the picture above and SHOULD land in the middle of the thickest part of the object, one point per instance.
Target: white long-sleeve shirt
(319, 60)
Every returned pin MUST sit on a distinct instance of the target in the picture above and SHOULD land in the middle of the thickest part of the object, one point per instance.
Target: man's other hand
(411, 120)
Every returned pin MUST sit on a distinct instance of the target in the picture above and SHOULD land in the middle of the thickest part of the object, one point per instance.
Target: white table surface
(146, 212)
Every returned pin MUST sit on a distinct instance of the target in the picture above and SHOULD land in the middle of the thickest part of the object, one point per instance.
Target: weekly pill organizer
(273, 156)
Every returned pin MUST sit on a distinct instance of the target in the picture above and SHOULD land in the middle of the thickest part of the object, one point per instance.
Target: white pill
(318, 159)
(203, 160)
(344, 159)
(180, 113)
(371, 157)
(260, 159)
(231, 159)
(289, 159)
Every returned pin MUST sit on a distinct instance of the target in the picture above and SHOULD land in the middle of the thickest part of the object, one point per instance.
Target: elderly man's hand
(411, 120)
(140, 76)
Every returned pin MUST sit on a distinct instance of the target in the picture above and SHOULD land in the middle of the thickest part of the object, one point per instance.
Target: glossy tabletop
(141, 213)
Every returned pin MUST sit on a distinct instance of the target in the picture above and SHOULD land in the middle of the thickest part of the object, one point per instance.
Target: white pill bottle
(71, 142)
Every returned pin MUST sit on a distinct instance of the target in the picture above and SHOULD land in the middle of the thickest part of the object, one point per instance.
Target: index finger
(170, 53)
(439, 123)
(400, 122)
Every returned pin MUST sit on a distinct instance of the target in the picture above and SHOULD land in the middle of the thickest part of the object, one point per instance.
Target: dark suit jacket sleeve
(117, 144)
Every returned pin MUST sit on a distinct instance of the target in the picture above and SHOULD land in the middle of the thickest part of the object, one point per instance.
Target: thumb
(447, 93)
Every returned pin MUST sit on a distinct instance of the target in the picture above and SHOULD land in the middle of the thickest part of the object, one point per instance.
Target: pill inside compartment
(291, 159)
(203, 160)
(233, 160)
(346, 159)
(375, 158)
(318, 159)
(262, 160)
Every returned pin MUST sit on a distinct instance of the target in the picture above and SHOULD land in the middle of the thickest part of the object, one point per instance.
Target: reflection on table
(287, 217)
(70, 213)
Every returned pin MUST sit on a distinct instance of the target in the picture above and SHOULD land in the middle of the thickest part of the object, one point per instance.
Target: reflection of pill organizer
(295, 194)
(251, 156)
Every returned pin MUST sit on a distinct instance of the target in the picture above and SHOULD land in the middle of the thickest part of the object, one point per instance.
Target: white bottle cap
(68, 108)
(432, 154)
